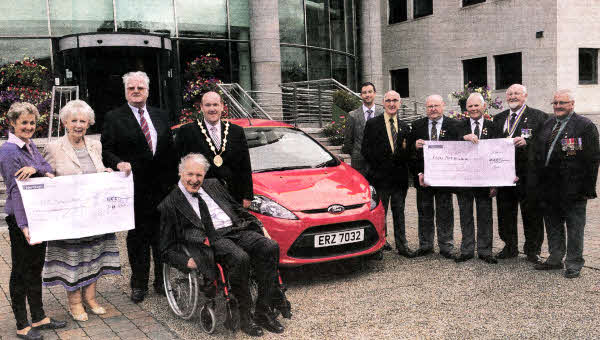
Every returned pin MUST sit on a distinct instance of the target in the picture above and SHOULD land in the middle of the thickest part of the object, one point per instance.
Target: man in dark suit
(355, 126)
(223, 144)
(386, 151)
(137, 138)
(522, 123)
(474, 129)
(567, 159)
(200, 208)
(433, 127)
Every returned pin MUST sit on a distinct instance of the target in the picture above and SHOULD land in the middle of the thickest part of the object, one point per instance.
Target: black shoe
(138, 295)
(33, 334)
(507, 253)
(534, 258)
(264, 320)
(548, 266)
(572, 273)
(447, 255)
(387, 246)
(423, 252)
(53, 324)
(463, 258)
(488, 258)
(249, 327)
(160, 290)
(406, 252)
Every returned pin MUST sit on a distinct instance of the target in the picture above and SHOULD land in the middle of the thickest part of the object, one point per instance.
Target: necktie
(205, 216)
(369, 112)
(216, 137)
(511, 123)
(145, 128)
(476, 131)
(434, 135)
(554, 133)
(394, 132)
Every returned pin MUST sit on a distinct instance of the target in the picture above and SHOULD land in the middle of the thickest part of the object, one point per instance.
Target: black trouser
(237, 251)
(485, 230)
(396, 198)
(140, 240)
(508, 201)
(435, 202)
(25, 276)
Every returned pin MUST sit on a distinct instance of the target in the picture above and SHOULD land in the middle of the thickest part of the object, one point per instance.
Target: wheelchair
(183, 287)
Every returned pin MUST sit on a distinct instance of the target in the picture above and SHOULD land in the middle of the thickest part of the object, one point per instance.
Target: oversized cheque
(489, 163)
(68, 207)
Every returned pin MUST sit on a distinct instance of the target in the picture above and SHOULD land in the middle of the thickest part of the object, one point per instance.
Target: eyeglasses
(431, 107)
(560, 103)
(392, 101)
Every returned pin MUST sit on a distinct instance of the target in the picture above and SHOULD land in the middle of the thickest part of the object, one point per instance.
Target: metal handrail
(229, 90)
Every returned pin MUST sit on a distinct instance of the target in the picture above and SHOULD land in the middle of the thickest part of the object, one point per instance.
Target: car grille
(304, 246)
(324, 210)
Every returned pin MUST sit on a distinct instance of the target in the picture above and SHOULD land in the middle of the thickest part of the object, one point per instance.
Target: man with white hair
(522, 123)
(137, 138)
(567, 158)
(200, 208)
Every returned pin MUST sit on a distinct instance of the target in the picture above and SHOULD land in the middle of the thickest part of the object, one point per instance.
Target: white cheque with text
(489, 163)
(71, 207)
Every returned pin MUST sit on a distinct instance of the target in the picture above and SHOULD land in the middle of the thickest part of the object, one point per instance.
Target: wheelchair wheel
(208, 319)
(181, 290)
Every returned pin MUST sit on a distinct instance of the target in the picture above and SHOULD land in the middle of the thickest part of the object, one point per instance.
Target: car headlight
(268, 207)
(374, 197)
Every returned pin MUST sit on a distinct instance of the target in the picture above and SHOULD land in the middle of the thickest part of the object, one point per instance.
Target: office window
(588, 66)
(400, 82)
(508, 70)
(471, 2)
(475, 71)
(398, 11)
(423, 8)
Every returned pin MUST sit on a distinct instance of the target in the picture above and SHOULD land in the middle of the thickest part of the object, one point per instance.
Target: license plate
(342, 237)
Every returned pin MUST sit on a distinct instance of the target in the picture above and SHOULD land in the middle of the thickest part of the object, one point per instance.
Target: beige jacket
(61, 156)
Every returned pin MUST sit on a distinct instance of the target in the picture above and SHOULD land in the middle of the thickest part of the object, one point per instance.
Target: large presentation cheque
(490, 163)
(67, 207)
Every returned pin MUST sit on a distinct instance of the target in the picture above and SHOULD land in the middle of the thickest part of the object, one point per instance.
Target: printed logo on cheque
(33, 186)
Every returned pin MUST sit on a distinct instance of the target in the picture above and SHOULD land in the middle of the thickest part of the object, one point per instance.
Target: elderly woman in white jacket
(77, 264)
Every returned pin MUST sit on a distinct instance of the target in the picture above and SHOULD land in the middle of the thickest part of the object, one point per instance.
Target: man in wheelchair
(198, 209)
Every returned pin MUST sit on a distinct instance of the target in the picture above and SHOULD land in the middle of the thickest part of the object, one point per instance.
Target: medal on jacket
(217, 160)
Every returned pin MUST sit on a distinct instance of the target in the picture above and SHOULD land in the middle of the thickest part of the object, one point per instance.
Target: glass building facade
(318, 40)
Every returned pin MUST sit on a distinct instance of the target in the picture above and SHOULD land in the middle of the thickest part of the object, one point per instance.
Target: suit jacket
(420, 130)
(123, 141)
(61, 156)
(386, 168)
(353, 135)
(531, 119)
(568, 176)
(177, 218)
(236, 171)
(488, 131)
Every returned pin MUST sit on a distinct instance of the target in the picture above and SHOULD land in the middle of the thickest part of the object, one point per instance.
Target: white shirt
(217, 215)
(217, 128)
(473, 125)
(153, 134)
(438, 126)
(365, 109)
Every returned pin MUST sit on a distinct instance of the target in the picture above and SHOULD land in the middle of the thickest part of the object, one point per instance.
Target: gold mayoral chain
(217, 160)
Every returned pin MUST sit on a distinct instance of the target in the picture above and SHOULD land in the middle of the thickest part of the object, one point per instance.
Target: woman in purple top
(19, 160)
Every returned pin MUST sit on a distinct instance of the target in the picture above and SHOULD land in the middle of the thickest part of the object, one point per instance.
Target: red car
(315, 206)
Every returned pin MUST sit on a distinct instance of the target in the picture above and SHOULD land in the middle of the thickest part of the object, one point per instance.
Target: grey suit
(353, 137)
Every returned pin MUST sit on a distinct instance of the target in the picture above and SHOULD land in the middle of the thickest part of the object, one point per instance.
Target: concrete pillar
(371, 54)
(266, 54)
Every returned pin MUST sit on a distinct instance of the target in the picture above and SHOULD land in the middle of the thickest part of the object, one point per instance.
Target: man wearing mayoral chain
(223, 144)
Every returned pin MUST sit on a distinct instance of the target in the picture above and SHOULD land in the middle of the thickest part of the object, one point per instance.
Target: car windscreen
(281, 148)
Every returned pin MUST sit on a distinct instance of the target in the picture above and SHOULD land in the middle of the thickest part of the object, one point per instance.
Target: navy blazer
(569, 175)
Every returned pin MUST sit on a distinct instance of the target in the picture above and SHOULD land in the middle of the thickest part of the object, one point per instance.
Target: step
(323, 140)
(334, 148)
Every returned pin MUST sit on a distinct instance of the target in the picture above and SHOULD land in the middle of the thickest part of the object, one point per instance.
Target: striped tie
(145, 128)
(216, 137)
